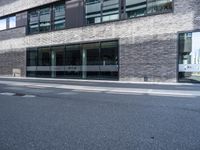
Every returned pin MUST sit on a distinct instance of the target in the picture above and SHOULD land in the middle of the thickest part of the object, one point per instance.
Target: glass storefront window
(73, 62)
(109, 53)
(32, 57)
(189, 57)
(58, 56)
(88, 61)
(44, 57)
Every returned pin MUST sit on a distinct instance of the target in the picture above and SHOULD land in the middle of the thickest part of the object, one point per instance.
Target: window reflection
(135, 8)
(189, 56)
(93, 60)
(34, 21)
(2, 24)
(46, 19)
(93, 11)
(102, 10)
(12, 22)
(44, 57)
(59, 16)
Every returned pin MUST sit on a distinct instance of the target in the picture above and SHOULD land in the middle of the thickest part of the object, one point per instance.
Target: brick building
(134, 40)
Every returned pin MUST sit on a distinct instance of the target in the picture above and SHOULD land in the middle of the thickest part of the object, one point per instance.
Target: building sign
(189, 68)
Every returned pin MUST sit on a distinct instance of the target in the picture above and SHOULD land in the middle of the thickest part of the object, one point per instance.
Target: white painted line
(172, 95)
(87, 91)
(68, 93)
(124, 93)
(29, 96)
(7, 94)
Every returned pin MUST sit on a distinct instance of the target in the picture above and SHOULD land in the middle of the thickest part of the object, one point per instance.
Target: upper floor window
(136, 8)
(12, 22)
(98, 11)
(33, 21)
(155, 6)
(3, 24)
(47, 18)
(8, 23)
(59, 16)
(144, 7)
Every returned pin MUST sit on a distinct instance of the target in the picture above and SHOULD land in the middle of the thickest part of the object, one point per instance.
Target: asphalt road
(48, 118)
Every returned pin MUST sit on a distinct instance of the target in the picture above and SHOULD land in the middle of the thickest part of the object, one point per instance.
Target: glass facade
(136, 8)
(8, 23)
(59, 16)
(98, 11)
(144, 7)
(87, 61)
(12, 22)
(189, 57)
(53, 17)
(46, 19)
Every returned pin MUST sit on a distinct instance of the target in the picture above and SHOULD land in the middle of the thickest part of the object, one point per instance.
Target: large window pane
(110, 10)
(92, 53)
(109, 53)
(73, 61)
(58, 61)
(189, 57)
(59, 16)
(155, 6)
(44, 57)
(109, 60)
(136, 8)
(93, 11)
(12, 22)
(2, 24)
(34, 21)
(32, 57)
(91, 62)
(45, 18)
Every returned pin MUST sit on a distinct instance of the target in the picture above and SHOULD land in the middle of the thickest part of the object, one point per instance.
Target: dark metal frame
(178, 48)
(122, 15)
(81, 44)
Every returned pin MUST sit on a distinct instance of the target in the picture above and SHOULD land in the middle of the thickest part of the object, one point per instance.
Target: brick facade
(147, 45)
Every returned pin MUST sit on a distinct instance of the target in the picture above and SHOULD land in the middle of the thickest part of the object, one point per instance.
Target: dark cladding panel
(21, 19)
(75, 13)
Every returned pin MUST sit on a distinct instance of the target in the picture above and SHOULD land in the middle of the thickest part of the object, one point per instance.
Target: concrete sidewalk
(174, 90)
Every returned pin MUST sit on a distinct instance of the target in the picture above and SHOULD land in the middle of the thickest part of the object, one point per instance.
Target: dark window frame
(51, 6)
(122, 15)
(7, 19)
(81, 48)
(101, 13)
(150, 14)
